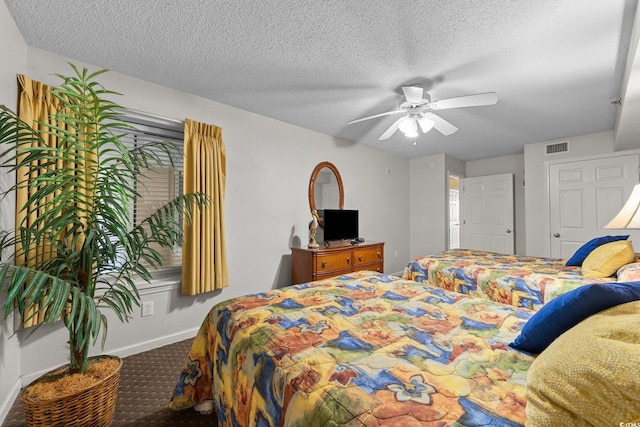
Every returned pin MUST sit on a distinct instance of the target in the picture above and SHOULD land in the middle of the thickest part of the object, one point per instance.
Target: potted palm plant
(76, 252)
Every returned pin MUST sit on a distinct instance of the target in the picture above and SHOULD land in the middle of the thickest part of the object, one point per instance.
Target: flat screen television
(339, 224)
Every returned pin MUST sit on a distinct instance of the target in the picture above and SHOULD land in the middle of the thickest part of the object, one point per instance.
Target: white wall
(268, 168)
(427, 206)
(627, 126)
(536, 198)
(430, 199)
(13, 51)
(507, 164)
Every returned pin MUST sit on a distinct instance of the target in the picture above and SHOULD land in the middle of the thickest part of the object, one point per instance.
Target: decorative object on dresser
(313, 227)
(316, 264)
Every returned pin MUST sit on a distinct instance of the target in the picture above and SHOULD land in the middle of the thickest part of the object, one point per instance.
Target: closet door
(486, 203)
(584, 196)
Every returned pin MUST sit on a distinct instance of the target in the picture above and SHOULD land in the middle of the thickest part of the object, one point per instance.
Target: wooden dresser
(316, 264)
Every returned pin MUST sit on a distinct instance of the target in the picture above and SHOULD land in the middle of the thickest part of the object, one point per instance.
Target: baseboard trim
(154, 343)
(7, 404)
(126, 351)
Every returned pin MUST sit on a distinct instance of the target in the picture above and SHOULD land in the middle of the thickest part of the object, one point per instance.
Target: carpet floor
(146, 385)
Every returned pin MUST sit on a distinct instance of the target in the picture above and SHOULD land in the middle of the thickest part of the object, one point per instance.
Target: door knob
(508, 230)
(556, 234)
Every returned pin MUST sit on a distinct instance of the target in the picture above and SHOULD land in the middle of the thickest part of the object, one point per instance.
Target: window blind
(162, 182)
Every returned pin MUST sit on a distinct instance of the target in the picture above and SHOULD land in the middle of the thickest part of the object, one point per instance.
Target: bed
(362, 349)
(517, 280)
(435, 347)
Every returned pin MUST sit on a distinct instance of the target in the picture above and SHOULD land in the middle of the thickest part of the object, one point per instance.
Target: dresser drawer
(377, 267)
(367, 255)
(321, 275)
(333, 262)
(309, 264)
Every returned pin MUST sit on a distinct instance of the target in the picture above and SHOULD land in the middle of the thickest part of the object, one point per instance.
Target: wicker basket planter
(94, 406)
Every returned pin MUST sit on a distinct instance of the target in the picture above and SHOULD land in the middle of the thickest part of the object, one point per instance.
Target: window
(160, 185)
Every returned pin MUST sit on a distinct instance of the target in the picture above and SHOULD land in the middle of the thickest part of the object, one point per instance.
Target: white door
(584, 196)
(486, 204)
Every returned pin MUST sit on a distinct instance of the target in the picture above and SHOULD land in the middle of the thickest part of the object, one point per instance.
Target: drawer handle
(324, 264)
(348, 260)
(378, 254)
(360, 258)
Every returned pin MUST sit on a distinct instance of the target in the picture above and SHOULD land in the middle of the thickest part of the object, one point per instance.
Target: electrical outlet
(147, 308)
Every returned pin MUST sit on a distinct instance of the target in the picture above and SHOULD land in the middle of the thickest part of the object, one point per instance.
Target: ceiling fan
(417, 112)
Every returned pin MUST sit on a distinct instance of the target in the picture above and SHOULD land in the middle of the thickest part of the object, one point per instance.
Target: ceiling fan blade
(392, 129)
(388, 113)
(441, 125)
(479, 99)
(413, 94)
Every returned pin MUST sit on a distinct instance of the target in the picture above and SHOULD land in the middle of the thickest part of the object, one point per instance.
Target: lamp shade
(426, 124)
(629, 215)
(407, 125)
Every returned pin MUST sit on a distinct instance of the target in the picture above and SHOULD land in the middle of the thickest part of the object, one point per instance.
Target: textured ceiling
(556, 65)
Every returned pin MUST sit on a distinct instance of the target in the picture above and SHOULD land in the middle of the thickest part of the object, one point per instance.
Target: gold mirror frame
(312, 184)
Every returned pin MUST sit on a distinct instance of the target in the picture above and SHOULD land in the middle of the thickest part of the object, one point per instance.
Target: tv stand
(340, 258)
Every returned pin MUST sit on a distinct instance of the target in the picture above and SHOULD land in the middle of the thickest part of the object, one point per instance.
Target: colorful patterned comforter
(516, 280)
(362, 349)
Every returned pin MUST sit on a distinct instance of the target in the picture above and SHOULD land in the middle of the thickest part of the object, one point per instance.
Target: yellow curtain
(204, 255)
(35, 105)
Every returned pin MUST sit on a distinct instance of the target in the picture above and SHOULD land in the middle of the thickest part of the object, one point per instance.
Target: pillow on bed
(589, 376)
(605, 260)
(586, 249)
(629, 272)
(567, 310)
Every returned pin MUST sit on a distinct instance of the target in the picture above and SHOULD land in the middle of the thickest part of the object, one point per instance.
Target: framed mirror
(325, 188)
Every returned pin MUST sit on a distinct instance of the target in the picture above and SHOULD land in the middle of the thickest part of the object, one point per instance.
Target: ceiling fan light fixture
(426, 124)
(417, 107)
(409, 127)
(413, 134)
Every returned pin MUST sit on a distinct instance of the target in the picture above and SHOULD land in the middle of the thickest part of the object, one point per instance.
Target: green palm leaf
(83, 189)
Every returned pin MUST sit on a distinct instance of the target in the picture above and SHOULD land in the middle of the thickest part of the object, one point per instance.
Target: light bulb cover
(409, 127)
(426, 124)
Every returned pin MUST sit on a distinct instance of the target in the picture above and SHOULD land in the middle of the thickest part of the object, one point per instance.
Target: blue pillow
(567, 310)
(586, 249)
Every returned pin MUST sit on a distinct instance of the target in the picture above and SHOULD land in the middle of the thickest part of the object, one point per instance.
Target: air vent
(557, 147)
